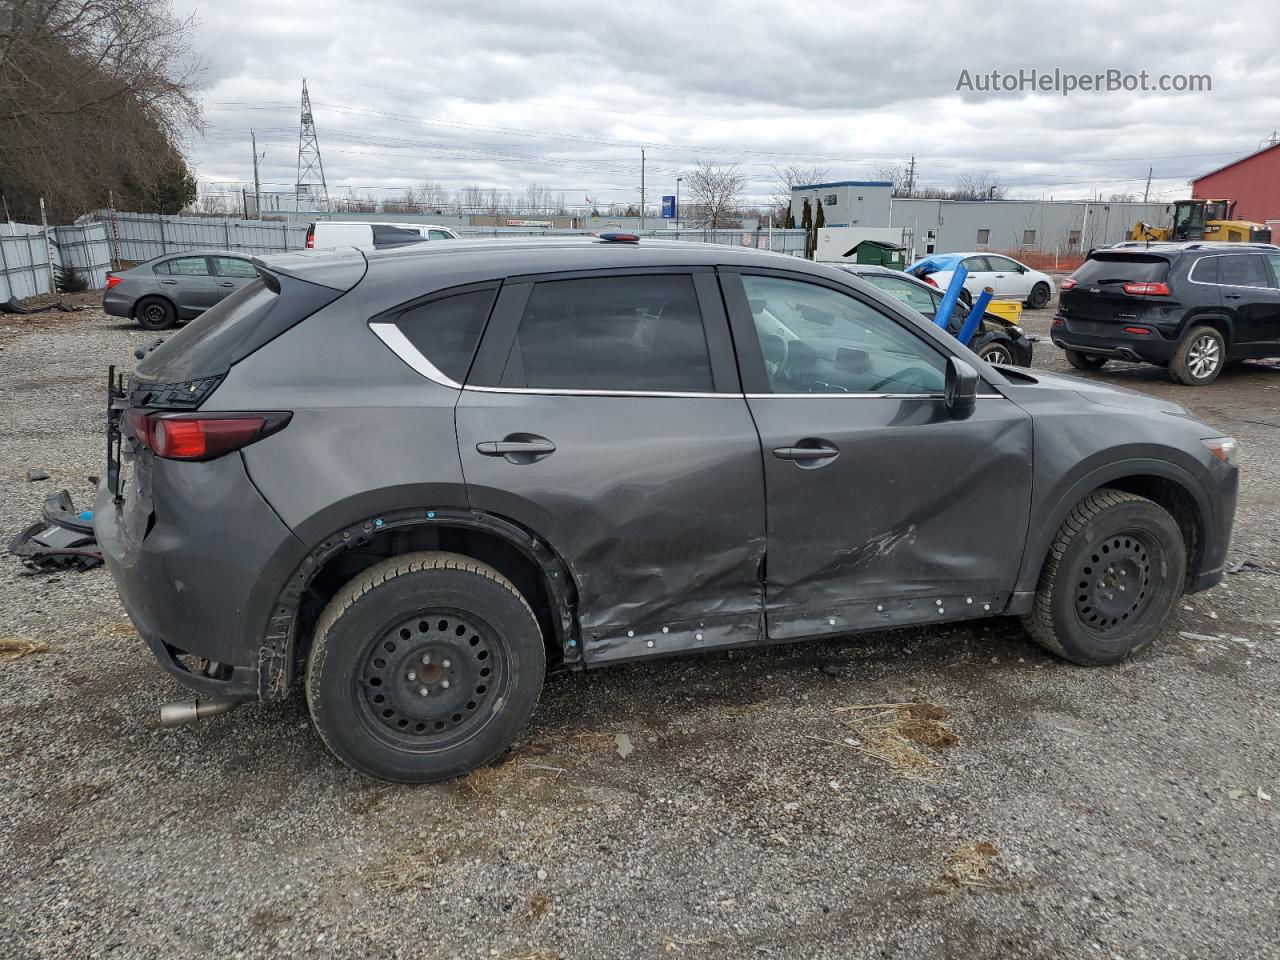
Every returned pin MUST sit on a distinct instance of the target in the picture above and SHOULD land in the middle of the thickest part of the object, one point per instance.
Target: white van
(358, 233)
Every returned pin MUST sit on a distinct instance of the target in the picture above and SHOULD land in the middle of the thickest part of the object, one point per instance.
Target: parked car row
(408, 480)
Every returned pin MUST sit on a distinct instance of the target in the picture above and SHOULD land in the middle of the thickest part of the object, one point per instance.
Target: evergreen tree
(820, 220)
(806, 215)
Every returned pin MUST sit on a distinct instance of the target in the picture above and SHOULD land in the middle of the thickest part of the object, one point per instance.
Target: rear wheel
(1199, 358)
(996, 351)
(155, 313)
(1112, 577)
(424, 667)
(1040, 295)
(1085, 361)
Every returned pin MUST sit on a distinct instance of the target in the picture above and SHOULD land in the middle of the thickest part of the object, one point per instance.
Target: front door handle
(803, 454)
(517, 448)
(226, 283)
(1233, 296)
(170, 282)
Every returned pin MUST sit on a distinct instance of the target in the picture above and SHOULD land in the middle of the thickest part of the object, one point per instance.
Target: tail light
(112, 280)
(311, 237)
(1138, 331)
(931, 282)
(1067, 284)
(1146, 289)
(201, 436)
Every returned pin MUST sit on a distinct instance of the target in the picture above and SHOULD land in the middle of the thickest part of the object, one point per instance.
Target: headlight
(1224, 448)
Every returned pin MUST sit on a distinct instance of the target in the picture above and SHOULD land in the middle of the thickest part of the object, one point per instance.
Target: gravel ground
(1109, 813)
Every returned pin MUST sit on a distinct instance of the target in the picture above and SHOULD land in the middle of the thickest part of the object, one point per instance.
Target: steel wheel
(1114, 584)
(1204, 357)
(430, 682)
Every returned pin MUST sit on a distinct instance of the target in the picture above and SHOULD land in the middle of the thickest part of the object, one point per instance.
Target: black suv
(415, 479)
(1192, 307)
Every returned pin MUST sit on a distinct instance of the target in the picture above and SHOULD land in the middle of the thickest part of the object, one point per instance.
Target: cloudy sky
(565, 94)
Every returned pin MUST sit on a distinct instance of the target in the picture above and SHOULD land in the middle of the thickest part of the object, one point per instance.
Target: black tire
(424, 621)
(1111, 544)
(997, 350)
(155, 313)
(1040, 295)
(1085, 361)
(1200, 357)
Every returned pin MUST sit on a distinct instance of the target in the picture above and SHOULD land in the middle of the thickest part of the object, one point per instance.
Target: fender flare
(1041, 535)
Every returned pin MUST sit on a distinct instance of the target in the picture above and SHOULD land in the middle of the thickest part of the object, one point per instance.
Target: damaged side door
(881, 509)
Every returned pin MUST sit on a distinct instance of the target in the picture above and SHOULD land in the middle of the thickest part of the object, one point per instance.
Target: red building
(1252, 181)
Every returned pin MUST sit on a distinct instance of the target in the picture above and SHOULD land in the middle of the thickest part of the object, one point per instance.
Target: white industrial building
(1065, 227)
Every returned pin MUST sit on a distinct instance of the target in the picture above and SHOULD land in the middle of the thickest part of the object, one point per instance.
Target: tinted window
(1275, 267)
(1244, 271)
(446, 331)
(818, 340)
(1205, 270)
(1121, 268)
(233, 267)
(912, 294)
(612, 333)
(189, 267)
(976, 264)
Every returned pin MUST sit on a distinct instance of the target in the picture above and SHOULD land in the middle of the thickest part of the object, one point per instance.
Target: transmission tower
(310, 182)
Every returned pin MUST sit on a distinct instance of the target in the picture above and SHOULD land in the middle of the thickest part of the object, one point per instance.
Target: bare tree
(897, 174)
(977, 186)
(714, 191)
(95, 96)
(407, 202)
(791, 176)
(536, 198)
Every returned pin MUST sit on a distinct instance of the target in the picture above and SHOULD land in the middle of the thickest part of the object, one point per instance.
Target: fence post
(4, 269)
(284, 232)
(226, 231)
(48, 249)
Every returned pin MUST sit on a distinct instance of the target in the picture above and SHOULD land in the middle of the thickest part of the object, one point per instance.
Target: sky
(503, 94)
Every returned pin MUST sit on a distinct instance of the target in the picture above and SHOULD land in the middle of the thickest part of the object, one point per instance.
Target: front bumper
(187, 546)
(1102, 341)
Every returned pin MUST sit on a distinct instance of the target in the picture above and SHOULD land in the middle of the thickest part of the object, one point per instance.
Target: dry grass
(12, 648)
(893, 733)
(537, 909)
(970, 865)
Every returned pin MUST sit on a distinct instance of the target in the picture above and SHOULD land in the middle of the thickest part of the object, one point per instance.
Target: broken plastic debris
(1235, 794)
(35, 473)
(623, 744)
(1263, 796)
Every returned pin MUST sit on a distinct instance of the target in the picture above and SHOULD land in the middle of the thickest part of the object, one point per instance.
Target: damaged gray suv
(413, 480)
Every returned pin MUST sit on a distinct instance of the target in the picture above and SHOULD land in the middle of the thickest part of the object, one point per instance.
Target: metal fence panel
(24, 262)
(85, 247)
(141, 236)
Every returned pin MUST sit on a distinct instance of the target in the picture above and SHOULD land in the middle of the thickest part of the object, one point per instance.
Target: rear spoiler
(338, 269)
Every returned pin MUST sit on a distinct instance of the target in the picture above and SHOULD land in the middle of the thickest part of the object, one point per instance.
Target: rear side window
(233, 267)
(1244, 271)
(1122, 269)
(612, 333)
(189, 267)
(446, 331)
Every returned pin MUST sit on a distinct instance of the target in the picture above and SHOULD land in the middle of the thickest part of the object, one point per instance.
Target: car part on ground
(1195, 308)
(62, 539)
(581, 452)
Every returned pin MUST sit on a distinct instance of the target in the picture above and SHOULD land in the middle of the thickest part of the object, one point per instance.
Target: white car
(361, 233)
(1009, 279)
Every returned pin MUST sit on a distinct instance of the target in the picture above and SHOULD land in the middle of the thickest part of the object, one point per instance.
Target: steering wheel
(896, 376)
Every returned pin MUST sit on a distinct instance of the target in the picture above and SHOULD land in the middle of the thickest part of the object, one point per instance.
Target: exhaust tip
(184, 712)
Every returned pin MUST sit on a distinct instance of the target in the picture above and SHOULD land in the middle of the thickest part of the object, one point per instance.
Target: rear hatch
(1114, 288)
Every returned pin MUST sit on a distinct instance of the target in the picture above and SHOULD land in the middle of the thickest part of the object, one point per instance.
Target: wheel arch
(1167, 484)
(1218, 321)
(133, 311)
(522, 556)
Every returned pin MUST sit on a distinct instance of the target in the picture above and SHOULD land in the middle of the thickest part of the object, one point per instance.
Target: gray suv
(414, 480)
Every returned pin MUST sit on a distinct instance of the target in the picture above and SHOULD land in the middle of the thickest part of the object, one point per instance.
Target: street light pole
(678, 179)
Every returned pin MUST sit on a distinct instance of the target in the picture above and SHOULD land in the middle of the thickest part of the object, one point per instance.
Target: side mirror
(1021, 268)
(961, 389)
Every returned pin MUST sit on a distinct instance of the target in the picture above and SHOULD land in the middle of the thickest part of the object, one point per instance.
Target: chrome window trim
(571, 392)
(862, 396)
(399, 344)
(1191, 274)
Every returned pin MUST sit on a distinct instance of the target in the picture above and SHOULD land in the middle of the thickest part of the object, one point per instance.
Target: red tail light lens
(931, 282)
(1138, 331)
(1136, 289)
(311, 237)
(201, 436)
(1067, 284)
(112, 280)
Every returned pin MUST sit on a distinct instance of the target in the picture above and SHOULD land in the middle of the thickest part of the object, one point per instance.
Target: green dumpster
(879, 253)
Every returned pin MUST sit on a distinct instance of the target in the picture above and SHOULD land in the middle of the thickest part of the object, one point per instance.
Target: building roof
(1256, 153)
(843, 183)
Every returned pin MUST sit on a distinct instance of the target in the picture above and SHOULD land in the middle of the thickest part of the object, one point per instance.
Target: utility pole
(642, 189)
(1147, 192)
(257, 184)
(678, 179)
(911, 176)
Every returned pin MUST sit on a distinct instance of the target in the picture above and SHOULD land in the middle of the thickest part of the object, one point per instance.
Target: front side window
(1002, 264)
(189, 267)
(446, 331)
(233, 267)
(641, 333)
(1244, 271)
(439, 235)
(1275, 268)
(818, 340)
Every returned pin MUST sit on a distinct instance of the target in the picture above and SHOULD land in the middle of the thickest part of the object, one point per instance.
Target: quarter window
(818, 340)
(641, 333)
(446, 331)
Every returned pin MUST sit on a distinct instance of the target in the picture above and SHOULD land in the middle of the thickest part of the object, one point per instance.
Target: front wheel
(155, 313)
(996, 351)
(1040, 295)
(1085, 361)
(424, 667)
(1114, 572)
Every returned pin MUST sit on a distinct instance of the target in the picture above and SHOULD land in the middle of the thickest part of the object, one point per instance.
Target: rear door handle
(1233, 296)
(170, 282)
(226, 283)
(806, 453)
(517, 448)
